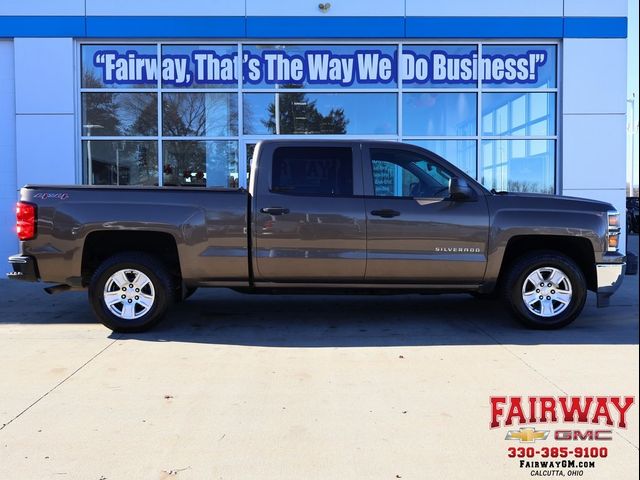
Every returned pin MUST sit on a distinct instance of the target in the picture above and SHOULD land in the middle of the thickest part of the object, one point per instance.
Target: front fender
(507, 224)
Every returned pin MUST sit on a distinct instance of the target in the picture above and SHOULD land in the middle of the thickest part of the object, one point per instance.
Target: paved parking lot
(298, 387)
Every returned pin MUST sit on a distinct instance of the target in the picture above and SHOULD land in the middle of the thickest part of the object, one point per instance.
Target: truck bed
(208, 226)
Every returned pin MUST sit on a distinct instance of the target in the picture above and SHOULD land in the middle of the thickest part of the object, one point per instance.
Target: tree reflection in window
(199, 114)
(212, 163)
(100, 111)
(118, 113)
(299, 114)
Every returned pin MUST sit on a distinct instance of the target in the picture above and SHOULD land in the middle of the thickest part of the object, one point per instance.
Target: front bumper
(24, 268)
(609, 277)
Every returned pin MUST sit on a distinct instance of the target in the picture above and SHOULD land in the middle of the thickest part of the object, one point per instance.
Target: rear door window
(317, 171)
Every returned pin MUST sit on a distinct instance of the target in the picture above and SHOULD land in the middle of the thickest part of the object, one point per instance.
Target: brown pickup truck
(321, 216)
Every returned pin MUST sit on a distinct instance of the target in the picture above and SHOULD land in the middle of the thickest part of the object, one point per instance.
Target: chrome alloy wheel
(547, 292)
(129, 294)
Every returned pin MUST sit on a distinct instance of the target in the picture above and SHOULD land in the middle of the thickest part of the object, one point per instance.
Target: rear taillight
(25, 220)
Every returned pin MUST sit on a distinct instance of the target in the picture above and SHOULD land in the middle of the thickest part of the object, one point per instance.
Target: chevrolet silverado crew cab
(320, 217)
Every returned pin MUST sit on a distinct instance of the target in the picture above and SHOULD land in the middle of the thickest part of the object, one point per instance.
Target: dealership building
(523, 96)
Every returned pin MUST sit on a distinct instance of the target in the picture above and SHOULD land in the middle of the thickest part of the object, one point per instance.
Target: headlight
(613, 230)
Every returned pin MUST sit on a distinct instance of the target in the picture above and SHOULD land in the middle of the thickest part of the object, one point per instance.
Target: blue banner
(320, 67)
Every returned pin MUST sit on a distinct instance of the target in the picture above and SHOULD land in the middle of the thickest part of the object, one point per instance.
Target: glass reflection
(131, 114)
(519, 114)
(200, 163)
(250, 148)
(518, 165)
(320, 113)
(120, 162)
(461, 153)
(256, 113)
(439, 114)
(199, 114)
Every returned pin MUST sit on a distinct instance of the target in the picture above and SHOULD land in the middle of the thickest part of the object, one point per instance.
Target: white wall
(309, 8)
(37, 123)
(42, 7)
(8, 241)
(155, 8)
(593, 120)
(594, 8)
(466, 8)
(485, 8)
(44, 98)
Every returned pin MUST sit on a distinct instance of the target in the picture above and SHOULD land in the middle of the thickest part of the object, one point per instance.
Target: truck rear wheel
(545, 290)
(130, 292)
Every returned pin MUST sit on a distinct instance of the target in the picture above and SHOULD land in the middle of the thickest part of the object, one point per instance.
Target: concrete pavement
(261, 387)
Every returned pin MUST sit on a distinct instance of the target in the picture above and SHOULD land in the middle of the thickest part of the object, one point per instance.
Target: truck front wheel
(130, 292)
(545, 290)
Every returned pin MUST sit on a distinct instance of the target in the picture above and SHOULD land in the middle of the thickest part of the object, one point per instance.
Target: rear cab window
(313, 171)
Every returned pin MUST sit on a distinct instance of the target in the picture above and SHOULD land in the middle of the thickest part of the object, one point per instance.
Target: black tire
(161, 289)
(515, 281)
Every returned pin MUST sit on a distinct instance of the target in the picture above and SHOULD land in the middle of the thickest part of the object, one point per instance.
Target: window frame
(83, 171)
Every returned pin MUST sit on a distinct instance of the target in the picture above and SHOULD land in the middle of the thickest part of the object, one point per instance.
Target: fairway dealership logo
(319, 67)
(612, 411)
(562, 436)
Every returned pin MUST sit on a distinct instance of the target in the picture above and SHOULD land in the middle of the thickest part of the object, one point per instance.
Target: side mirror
(459, 189)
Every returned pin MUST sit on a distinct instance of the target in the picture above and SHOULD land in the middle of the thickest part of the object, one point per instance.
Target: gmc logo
(583, 435)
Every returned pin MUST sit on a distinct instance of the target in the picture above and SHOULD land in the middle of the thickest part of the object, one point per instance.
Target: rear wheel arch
(102, 244)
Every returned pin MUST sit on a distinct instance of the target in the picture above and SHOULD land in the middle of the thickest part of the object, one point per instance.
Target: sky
(632, 88)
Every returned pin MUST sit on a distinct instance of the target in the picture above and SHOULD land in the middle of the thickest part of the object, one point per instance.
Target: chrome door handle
(274, 210)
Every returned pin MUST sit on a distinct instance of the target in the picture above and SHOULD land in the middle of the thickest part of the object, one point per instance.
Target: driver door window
(405, 174)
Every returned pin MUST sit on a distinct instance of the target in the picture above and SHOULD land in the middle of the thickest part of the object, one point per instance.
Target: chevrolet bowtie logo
(528, 435)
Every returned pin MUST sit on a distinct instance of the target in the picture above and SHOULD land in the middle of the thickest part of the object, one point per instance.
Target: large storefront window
(190, 114)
